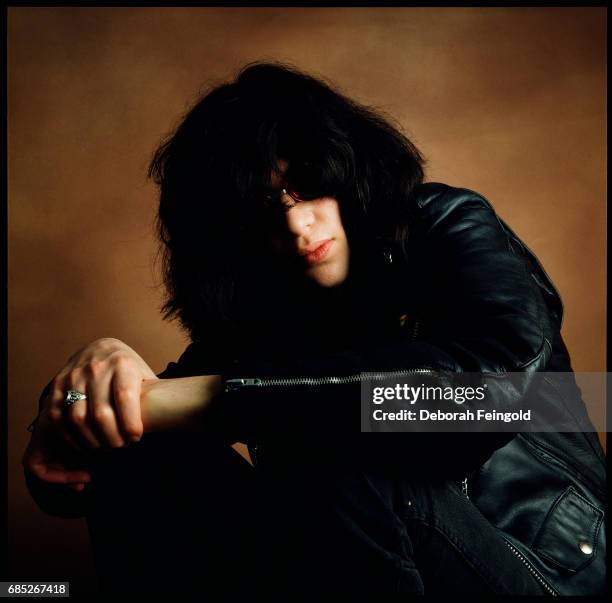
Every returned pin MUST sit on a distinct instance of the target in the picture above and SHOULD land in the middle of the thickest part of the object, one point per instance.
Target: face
(314, 233)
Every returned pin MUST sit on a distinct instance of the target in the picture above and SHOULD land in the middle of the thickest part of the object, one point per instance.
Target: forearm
(178, 404)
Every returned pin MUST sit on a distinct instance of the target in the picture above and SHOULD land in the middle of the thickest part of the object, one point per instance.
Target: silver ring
(73, 396)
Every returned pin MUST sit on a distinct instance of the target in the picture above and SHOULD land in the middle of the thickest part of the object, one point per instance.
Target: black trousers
(177, 517)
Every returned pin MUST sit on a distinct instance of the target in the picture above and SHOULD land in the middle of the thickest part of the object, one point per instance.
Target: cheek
(333, 217)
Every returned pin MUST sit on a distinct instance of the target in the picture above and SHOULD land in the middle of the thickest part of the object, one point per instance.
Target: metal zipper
(415, 330)
(234, 384)
(254, 451)
(534, 572)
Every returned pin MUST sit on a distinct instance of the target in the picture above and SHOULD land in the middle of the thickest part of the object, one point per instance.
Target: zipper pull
(234, 384)
(464, 487)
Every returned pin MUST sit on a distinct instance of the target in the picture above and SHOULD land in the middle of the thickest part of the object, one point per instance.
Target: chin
(326, 276)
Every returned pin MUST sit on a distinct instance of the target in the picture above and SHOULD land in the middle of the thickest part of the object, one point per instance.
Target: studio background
(510, 102)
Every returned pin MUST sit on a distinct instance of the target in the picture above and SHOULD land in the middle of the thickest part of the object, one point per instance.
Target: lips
(317, 251)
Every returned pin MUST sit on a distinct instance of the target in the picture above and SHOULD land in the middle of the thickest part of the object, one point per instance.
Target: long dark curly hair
(213, 173)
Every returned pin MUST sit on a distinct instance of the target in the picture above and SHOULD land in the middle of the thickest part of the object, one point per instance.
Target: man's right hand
(110, 374)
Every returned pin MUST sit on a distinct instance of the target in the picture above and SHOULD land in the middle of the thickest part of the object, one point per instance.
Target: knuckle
(103, 413)
(77, 416)
(72, 378)
(79, 409)
(121, 359)
(125, 392)
(35, 470)
(96, 366)
(133, 431)
(57, 389)
(55, 414)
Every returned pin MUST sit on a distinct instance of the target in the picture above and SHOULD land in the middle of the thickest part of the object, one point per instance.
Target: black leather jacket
(461, 293)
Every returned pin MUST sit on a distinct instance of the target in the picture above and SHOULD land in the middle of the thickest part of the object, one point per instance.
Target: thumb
(56, 472)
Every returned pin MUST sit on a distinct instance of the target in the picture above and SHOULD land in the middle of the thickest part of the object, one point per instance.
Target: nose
(300, 216)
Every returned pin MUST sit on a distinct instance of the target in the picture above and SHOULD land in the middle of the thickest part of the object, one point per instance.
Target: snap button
(586, 548)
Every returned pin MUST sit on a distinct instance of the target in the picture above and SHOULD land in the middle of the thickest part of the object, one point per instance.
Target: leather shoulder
(434, 201)
(428, 193)
(439, 209)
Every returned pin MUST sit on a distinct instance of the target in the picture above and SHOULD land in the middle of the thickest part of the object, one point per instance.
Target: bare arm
(124, 400)
(178, 404)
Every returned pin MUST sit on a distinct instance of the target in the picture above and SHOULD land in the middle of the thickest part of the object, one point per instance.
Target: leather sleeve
(483, 312)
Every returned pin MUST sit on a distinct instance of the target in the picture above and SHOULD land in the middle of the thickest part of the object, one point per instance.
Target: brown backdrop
(507, 101)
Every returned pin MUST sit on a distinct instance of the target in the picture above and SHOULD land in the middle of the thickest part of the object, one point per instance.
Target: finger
(55, 399)
(54, 402)
(126, 396)
(78, 487)
(58, 474)
(60, 431)
(101, 411)
(76, 415)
